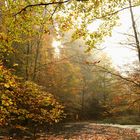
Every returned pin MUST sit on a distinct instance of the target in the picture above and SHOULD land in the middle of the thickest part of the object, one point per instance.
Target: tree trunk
(83, 98)
(1, 4)
(36, 59)
(27, 62)
(135, 30)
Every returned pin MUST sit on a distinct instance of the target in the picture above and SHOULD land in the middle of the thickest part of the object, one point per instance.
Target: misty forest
(56, 80)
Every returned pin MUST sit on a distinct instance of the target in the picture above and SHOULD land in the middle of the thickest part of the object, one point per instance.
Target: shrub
(26, 103)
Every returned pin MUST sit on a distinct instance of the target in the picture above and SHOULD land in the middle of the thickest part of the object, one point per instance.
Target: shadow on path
(70, 129)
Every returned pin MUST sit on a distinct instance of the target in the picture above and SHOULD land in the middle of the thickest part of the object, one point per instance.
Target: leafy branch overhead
(96, 3)
(41, 4)
(85, 11)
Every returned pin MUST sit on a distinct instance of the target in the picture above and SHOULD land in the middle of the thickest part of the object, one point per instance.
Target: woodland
(53, 70)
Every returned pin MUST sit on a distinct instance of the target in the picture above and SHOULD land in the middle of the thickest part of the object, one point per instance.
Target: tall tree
(137, 42)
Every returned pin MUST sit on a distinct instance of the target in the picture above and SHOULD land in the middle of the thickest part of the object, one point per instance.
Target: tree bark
(135, 30)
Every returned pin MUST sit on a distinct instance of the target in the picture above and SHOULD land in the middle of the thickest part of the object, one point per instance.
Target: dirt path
(90, 131)
(85, 131)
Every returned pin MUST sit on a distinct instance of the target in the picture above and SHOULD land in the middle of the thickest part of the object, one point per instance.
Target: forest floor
(93, 131)
(89, 131)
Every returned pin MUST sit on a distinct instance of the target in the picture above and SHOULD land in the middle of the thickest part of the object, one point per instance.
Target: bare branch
(41, 4)
(120, 76)
(112, 73)
(129, 35)
(108, 71)
(54, 11)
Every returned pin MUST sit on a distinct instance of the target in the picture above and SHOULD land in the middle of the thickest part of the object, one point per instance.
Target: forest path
(92, 131)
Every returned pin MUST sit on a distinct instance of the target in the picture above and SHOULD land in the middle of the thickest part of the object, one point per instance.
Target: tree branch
(134, 102)
(118, 75)
(53, 62)
(54, 11)
(110, 72)
(40, 4)
(117, 11)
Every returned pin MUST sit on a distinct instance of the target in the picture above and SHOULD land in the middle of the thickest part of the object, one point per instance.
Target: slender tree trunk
(38, 46)
(27, 62)
(83, 100)
(83, 97)
(37, 51)
(1, 4)
(104, 88)
(135, 30)
(36, 58)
